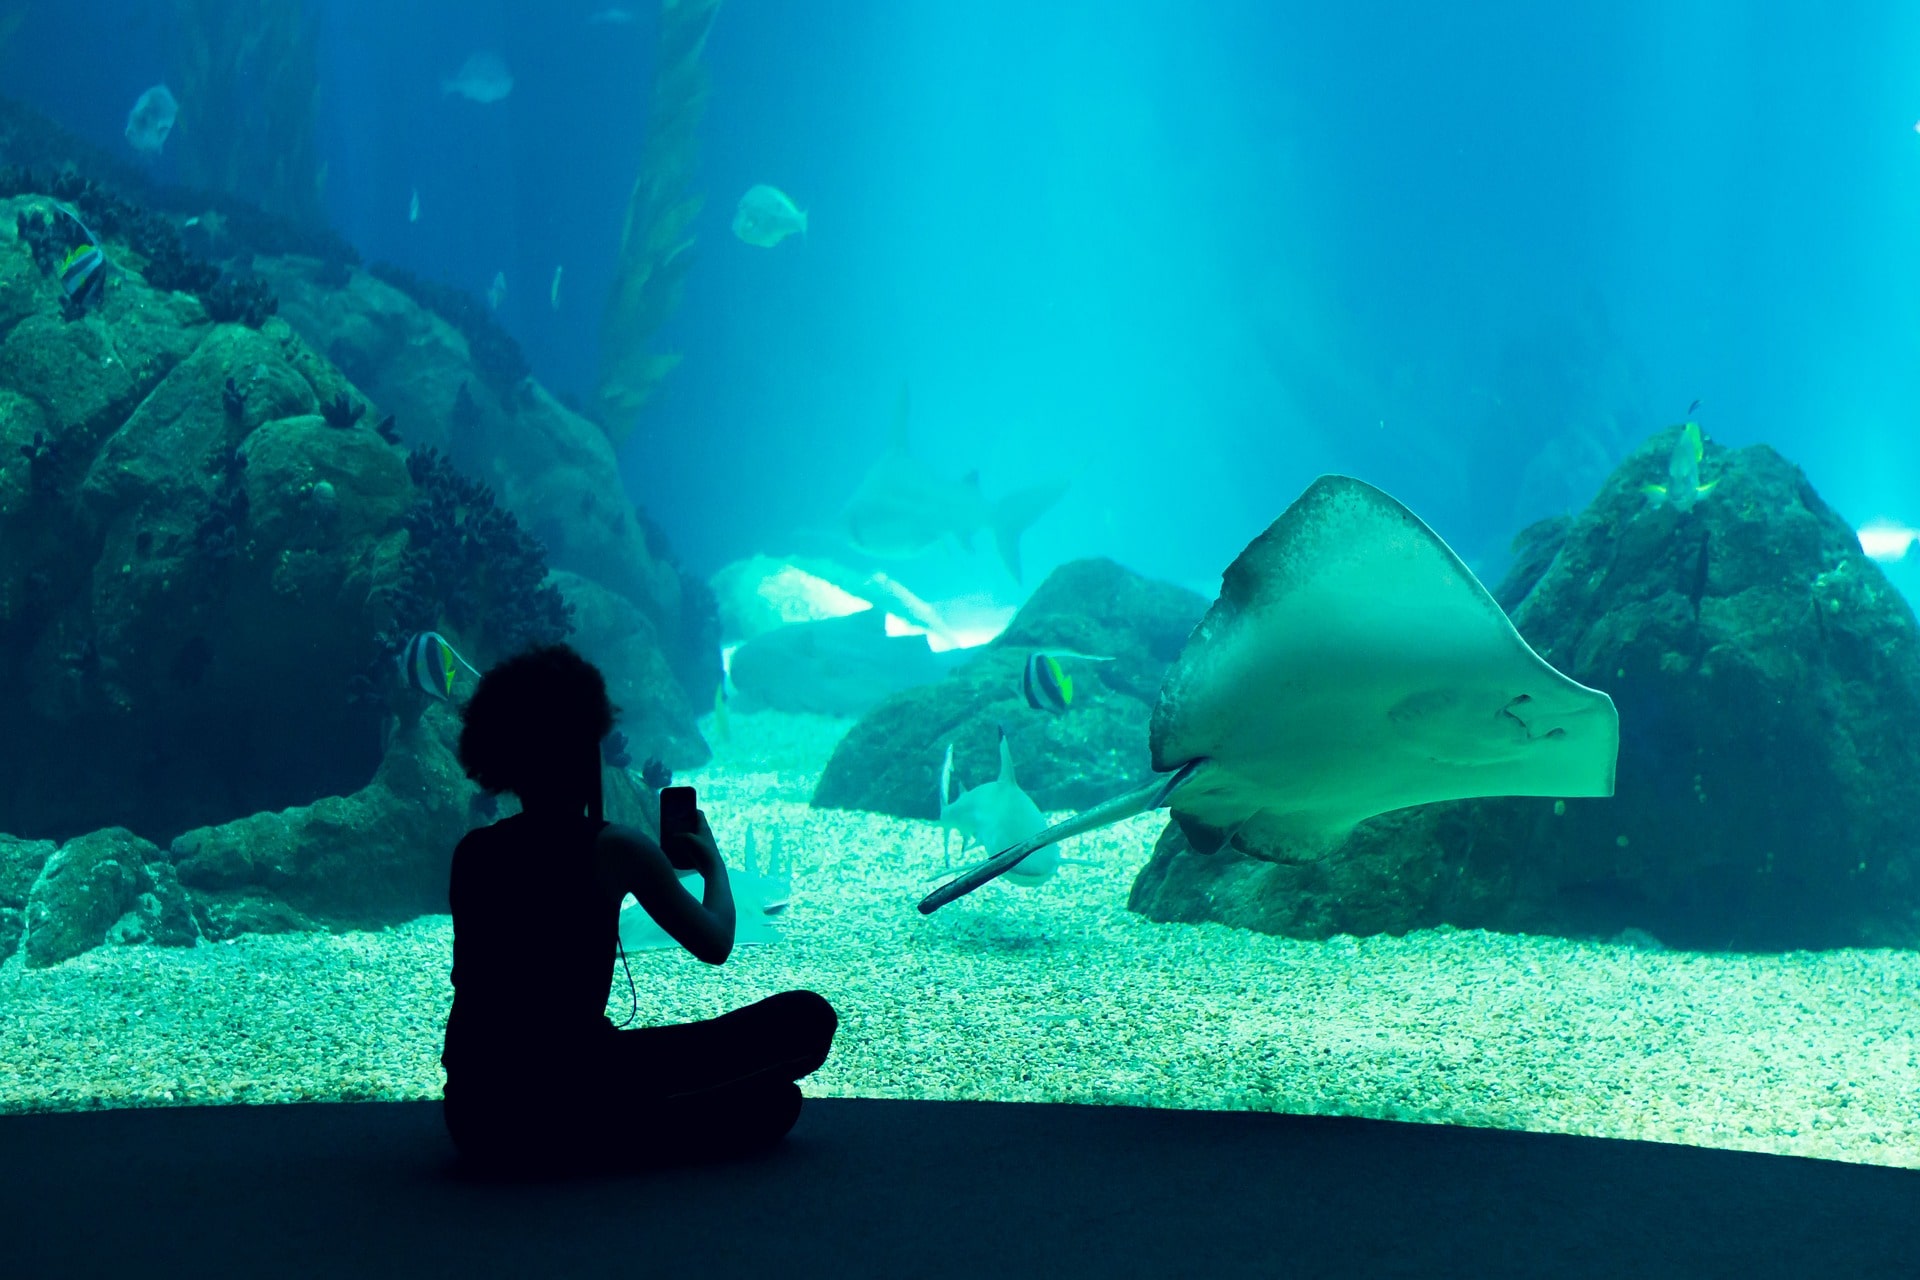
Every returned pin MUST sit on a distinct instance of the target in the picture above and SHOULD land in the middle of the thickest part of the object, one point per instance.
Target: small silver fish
(766, 216)
(413, 206)
(553, 290)
(497, 291)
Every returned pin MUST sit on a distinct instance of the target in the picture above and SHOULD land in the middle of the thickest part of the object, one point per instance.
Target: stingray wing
(1354, 665)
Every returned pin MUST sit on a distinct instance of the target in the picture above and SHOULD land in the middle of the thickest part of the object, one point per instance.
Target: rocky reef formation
(212, 542)
(889, 762)
(373, 857)
(1768, 681)
(553, 469)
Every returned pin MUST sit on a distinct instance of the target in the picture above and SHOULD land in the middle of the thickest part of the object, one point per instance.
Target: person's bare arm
(704, 926)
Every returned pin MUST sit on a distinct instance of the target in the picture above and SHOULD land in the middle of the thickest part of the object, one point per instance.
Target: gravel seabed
(1057, 994)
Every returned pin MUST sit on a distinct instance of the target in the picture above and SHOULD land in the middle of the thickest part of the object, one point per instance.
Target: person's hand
(694, 850)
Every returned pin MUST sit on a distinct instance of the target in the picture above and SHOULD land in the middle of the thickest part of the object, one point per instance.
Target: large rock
(190, 565)
(889, 762)
(20, 864)
(552, 468)
(108, 885)
(613, 633)
(203, 552)
(377, 856)
(1768, 681)
(371, 857)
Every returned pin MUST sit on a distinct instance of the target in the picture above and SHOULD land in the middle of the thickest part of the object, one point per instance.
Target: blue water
(1191, 254)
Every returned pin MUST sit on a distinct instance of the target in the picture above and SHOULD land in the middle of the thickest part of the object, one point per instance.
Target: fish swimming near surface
(611, 18)
(497, 291)
(553, 290)
(428, 663)
(995, 815)
(904, 508)
(766, 216)
(1683, 487)
(1045, 683)
(413, 206)
(482, 78)
(151, 120)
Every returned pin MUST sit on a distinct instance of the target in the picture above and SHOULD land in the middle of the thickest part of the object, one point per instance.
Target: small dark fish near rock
(428, 663)
(1046, 685)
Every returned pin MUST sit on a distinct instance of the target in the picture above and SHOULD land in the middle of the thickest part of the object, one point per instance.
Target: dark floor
(899, 1189)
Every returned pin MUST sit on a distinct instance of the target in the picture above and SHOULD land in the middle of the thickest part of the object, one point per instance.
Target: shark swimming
(1352, 665)
(759, 895)
(903, 507)
(995, 815)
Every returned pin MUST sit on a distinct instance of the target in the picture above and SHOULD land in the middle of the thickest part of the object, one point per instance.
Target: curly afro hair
(517, 728)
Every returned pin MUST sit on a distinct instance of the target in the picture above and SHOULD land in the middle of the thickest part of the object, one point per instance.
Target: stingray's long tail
(1149, 795)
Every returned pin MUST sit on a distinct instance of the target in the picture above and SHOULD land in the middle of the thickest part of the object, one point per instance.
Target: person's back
(535, 929)
(536, 1073)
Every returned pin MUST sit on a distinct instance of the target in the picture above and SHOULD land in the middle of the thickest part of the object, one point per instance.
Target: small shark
(903, 508)
(996, 815)
(772, 889)
(758, 896)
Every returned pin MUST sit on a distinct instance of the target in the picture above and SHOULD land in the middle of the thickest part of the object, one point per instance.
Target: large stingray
(1352, 665)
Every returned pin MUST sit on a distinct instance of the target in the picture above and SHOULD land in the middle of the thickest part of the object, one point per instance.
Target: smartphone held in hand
(679, 816)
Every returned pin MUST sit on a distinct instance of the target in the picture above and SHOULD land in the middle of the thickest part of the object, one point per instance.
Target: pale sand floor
(1053, 993)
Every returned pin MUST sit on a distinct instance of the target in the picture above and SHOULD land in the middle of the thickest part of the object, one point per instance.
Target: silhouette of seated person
(538, 1078)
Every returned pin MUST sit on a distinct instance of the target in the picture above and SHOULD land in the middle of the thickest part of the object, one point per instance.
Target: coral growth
(245, 301)
(167, 262)
(616, 751)
(469, 563)
(342, 412)
(47, 238)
